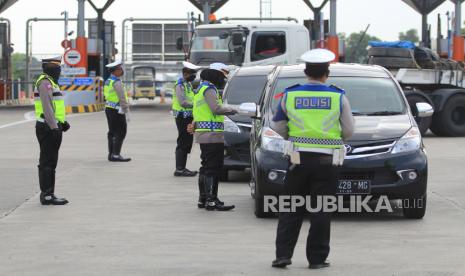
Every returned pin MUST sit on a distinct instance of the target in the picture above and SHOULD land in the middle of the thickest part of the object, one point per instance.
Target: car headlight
(411, 141)
(230, 126)
(272, 141)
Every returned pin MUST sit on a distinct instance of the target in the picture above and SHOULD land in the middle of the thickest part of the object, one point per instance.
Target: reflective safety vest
(205, 119)
(313, 113)
(111, 97)
(177, 108)
(58, 100)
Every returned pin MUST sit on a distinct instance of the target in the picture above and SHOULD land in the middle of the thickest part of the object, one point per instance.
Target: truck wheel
(423, 123)
(414, 208)
(451, 120)
(390, 52)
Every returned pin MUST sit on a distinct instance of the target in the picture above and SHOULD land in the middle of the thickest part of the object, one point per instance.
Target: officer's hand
(65, 126)
(120, 111)
(191, 128)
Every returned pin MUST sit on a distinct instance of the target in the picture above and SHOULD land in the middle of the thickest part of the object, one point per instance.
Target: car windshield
(208, 47)
(144, 83)
(367, 96)
(245, 89)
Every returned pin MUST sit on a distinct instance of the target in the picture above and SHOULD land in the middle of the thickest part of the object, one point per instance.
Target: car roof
(255, 70)
(251, 25)
(339, 70)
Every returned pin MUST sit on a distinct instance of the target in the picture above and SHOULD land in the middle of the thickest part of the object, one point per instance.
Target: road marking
(30, 117)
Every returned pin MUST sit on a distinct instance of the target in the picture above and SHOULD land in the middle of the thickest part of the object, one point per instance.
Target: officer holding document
(316, 119)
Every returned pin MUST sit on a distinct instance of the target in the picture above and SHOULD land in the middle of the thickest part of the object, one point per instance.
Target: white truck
(248, 44)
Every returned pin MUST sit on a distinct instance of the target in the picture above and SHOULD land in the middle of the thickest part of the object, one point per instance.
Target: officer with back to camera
(51, 122)
(316, 119)
(117, 112)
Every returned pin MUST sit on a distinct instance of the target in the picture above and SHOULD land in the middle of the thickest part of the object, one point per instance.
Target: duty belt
(209, 125)
(113, 105)
(184, 114)
(315, 141)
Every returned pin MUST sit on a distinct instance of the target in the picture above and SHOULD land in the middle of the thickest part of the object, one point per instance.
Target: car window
(267, 45)
(245, 89)
(366, 95)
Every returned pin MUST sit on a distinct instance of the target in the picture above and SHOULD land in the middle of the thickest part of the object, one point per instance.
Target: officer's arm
(346, 119)
(46, 94)
(279, 122)
(181, 95)
(118, 86)
(212, 101)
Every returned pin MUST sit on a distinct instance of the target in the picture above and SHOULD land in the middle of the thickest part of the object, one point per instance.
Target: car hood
(369, 128)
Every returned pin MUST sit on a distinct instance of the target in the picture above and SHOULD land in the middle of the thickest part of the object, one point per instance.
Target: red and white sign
(66, 44)
(72, 57)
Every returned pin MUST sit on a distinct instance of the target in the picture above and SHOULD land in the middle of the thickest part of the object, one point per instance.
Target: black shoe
(184, 172)
(52, 200)
(318, 266)
(281, 262)
(211, 205)
(201, 203)
(118, 158)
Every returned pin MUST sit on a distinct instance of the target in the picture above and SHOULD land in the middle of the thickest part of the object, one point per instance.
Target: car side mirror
(424, 110)
(179, 44)
(248, 109)
(237, 38)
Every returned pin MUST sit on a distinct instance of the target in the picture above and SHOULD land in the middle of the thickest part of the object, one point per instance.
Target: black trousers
(212, 159)
(185, 139)
(315, 176)
(117, 126)
(49, 142)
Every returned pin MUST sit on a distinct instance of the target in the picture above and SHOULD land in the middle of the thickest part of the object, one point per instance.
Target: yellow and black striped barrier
(85, 108)
(74, 87)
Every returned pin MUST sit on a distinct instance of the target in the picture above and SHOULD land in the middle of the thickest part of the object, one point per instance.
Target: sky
(386, 17)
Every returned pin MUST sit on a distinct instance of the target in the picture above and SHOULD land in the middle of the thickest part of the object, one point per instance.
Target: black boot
(181, 160)
(212, 201)
(202, 193)
(47, 187)
(110, 147)
(115, 156)
(215, 192)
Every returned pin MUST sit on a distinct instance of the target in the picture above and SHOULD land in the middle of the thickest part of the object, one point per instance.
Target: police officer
(209, 127)
(182, 111)
(50, 114)
(117, 112)
(317, 131)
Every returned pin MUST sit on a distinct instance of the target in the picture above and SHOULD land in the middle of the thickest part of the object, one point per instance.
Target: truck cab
(249, 44)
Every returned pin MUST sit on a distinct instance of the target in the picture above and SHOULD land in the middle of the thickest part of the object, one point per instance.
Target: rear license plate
(348, 187)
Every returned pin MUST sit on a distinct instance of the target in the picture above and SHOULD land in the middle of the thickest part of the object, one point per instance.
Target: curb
(85, 108)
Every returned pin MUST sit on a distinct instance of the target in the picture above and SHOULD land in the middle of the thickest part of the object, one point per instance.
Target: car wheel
(224, 177)
(423, 123)
(259, 208)
(415, 207)
(451, 120)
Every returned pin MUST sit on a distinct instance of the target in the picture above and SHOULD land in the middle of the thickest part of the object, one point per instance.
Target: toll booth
(97, 48)
(5, 63)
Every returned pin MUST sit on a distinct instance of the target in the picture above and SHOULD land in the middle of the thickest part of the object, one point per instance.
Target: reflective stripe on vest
(58, 100)
(205, 120)
(177, 108)
(314, 112)
(111, 97)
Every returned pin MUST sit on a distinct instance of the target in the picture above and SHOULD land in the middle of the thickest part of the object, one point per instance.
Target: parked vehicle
(144, 82)
(425, 77)
(386, 152)
(246, 84)
(248, 43)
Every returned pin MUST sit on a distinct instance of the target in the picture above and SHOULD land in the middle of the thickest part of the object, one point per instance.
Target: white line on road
(30, 117)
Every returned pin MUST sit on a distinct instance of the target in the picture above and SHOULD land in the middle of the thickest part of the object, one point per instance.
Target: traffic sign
(66, 44)
(72, 57)
(83, 81)
(70, 71)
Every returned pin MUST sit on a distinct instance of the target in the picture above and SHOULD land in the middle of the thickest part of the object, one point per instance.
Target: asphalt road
(137, 219)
